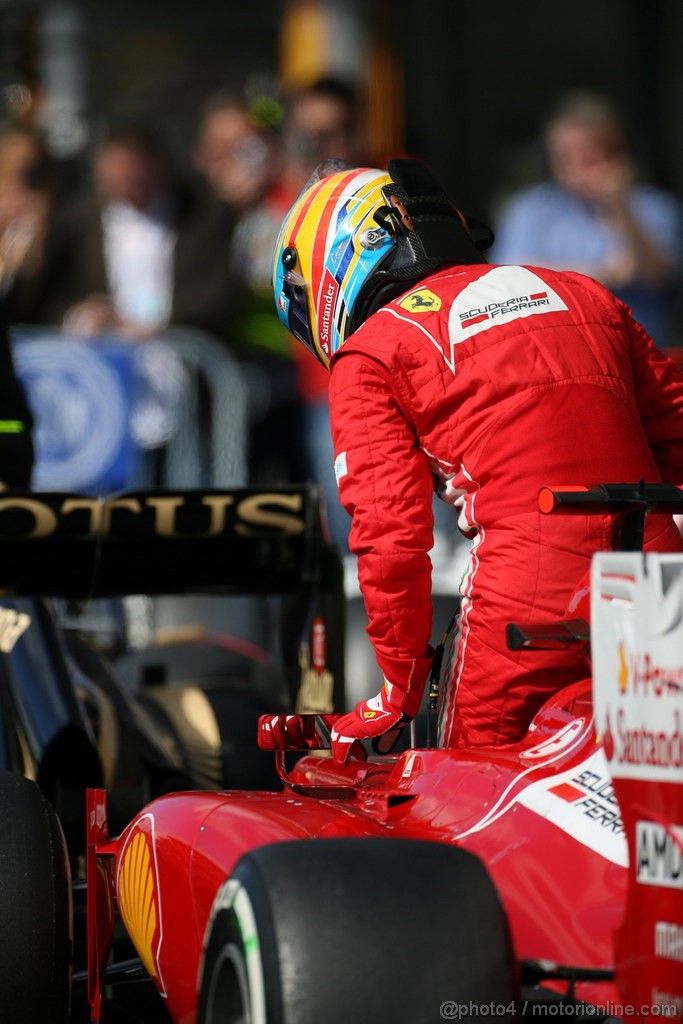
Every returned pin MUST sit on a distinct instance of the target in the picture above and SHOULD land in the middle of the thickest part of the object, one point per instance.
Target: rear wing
(235, 541)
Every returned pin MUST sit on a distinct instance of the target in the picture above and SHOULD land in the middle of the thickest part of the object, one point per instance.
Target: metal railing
(108, 416)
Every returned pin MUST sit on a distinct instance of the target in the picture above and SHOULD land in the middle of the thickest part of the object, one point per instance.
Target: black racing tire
(35, 907)
(353, 929)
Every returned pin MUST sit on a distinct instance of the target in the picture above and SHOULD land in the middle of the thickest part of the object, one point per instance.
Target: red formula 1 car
(433, 884)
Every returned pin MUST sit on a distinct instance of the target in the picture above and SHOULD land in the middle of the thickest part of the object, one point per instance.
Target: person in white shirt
(138, 252)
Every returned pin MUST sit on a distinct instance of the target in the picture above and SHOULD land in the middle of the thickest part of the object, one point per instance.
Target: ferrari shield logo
(421, 301)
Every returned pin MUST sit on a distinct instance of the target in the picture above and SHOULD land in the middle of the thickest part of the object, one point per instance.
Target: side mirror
(557, 636)
(296, 732)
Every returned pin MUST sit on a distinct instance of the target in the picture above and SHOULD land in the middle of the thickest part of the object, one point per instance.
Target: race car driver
(491, 381)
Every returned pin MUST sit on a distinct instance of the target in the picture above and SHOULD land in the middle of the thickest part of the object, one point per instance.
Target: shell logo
(623, 670)
(138, 899)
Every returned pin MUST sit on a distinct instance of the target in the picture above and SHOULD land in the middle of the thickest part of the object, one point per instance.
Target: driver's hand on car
(375, 719)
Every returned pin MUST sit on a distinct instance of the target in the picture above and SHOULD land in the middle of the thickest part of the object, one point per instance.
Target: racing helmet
(356, 238)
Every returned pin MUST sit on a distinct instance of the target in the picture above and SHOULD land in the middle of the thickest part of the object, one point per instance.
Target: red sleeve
(386, 486)
(658, 386)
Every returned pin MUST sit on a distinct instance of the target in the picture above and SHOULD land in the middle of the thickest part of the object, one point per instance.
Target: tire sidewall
(296, 912)
(238, 944)
(35, 907)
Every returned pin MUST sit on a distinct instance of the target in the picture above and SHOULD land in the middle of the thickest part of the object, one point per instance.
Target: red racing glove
(380, 719)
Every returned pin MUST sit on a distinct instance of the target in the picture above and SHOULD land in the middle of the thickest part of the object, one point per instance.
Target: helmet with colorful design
(358, 237)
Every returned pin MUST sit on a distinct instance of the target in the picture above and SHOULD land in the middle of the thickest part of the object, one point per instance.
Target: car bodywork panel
(540, 815)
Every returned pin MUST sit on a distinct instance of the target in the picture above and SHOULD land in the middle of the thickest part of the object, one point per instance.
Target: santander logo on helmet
(330, 293)
(355, 239)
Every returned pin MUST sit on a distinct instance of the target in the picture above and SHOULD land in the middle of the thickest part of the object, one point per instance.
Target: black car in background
(123, 656)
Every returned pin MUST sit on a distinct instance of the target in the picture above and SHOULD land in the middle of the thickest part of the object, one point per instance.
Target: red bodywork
(541, 815)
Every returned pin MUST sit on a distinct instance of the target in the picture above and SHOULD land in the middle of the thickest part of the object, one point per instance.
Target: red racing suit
(496, 380)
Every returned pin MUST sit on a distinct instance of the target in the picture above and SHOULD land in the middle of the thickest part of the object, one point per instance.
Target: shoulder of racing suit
(455, 305)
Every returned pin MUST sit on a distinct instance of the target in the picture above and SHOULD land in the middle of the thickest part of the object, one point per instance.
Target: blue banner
(82, 397)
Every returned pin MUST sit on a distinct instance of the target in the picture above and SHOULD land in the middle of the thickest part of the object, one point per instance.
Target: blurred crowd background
(149, 152)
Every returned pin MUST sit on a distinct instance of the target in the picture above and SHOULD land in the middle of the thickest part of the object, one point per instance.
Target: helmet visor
(298, 318)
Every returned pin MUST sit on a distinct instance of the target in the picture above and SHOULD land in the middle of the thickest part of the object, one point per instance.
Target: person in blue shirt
(593, 215)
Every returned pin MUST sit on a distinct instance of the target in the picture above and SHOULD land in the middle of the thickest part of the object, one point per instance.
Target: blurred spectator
(140, 251)
(592, 216)
(237, 153)
(238, 156)
(322, 122)
(26, 192)
(260, 175)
